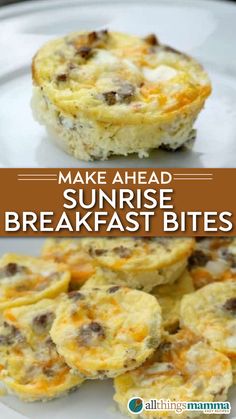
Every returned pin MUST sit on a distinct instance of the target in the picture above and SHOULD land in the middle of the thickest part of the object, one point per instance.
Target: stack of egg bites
(157, 315)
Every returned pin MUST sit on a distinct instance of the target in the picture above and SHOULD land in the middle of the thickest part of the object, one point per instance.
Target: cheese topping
(25, 279)
(183, 368)
(124, 254)
(98, 334)
(30, 365)
(78, 71)
(210, 312)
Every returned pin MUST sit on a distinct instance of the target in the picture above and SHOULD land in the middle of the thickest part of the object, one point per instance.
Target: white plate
(92, 400)
(205, 29)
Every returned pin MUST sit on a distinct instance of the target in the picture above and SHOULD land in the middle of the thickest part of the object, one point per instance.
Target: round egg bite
(70, 252)
(25, 280)
(137, 263)
(107, 331)
(182, 369)
(214, 259)
(169, 297)
(30, 365)
(104, 93)
(210, 312)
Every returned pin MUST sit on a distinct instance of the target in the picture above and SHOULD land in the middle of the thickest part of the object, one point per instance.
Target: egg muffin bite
(30, 365)
(104, 277)
(70, 252)
(169, 297)
(106, 93)
(211, 312)
(182, 369)
(107, 331)
(25, 280)
(137, 263)
(214, 259)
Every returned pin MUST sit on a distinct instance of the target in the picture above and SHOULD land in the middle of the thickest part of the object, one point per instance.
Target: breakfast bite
(107, 331)
(30, 365)
(26, 280)
(210, 313)
(140, 263)
(70, 252)
(183, 368)
(106, 93)
(169, 297)
(214, 259)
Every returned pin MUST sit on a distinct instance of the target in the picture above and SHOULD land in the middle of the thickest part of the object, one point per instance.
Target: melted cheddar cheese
(103, 332)
(210, 313)
(119, 78)
(182, 369)
(30, 365)
(137, 263)
(25, 280)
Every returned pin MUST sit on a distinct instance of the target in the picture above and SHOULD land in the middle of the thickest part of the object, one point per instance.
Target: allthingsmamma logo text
(136, 405)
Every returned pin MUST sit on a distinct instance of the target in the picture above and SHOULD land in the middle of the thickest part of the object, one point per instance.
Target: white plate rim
(13, 10)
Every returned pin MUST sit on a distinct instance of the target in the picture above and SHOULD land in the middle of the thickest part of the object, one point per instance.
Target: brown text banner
(131, 202)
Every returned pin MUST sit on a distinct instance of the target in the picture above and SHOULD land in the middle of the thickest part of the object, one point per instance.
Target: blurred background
(6, 2)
